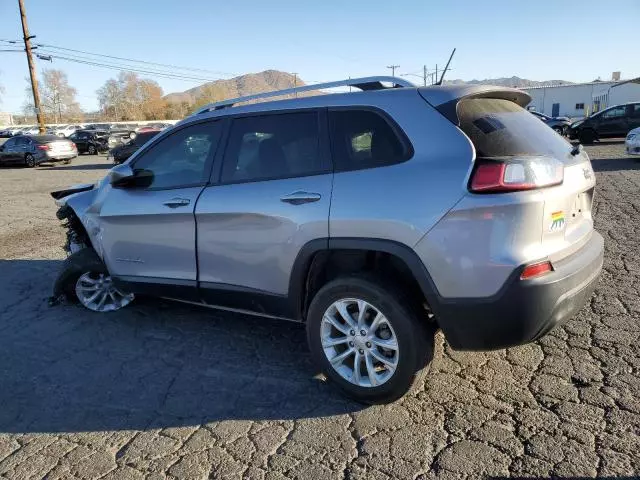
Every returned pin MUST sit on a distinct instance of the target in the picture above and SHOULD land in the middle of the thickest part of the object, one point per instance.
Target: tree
(57, 98)
(131, 98)
(210, 93)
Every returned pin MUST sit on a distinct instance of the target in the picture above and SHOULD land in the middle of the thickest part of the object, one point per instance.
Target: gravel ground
(168, 390)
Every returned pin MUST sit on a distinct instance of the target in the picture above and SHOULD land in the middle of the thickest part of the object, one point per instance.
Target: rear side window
(364, 139)
(273, 146)
(635, 110)
(500, 128)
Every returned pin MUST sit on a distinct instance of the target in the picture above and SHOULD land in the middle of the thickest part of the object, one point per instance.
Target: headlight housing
(632, 136)
(576, 124)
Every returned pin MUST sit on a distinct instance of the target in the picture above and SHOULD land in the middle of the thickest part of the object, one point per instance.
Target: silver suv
(374, 217)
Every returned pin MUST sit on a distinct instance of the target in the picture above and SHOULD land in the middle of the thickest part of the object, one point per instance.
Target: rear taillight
(43, 147)
(73, 146)
(535, 270)
(515, 174)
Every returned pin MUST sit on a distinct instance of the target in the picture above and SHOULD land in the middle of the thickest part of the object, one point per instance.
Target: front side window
(363, 139)
(614, 112)
(273, 146)
(10, 143)
(181, 159)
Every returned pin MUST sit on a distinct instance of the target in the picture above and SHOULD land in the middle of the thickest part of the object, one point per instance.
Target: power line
(131, 60)
(128, 68)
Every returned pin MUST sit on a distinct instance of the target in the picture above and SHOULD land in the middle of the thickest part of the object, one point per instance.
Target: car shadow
(89, 166)
(156, 363)
(616, 164)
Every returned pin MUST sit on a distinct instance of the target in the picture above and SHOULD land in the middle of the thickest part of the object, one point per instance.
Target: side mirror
(120, 175)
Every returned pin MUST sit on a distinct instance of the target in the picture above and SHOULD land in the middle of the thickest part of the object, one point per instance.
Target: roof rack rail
(363, 83)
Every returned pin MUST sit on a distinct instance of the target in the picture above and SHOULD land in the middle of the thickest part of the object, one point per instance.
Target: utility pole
(424, 74)
(32, 70)
(393, 69)
(295, 82)
(436, 77)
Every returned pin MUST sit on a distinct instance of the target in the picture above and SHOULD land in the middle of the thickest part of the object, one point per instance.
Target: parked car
(6, 133)
(98, 126)
(121, 153)
(120, 136)
(67, 130)
(372, 217)
(612, 122)
(559, 124)
(90, 141)
(632, 142)
(36, 149)
(30, 131)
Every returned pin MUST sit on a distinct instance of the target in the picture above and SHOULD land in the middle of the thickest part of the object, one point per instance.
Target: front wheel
(559, 131)
(91, 150)
(29, 160)
(369, 338)
(587, 136)
(85, 279)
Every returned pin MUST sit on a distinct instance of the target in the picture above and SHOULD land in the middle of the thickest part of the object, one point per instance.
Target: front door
(613, 122)
(148, 230)
(271, 197)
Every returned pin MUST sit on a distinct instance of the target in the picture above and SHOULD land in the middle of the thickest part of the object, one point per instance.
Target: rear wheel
(369, 338)
(29, 160)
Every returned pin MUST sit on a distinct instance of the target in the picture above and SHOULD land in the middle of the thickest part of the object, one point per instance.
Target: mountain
(238, 86)
(514, 81)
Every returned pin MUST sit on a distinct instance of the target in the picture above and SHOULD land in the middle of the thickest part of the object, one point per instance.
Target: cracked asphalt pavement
(166, 390)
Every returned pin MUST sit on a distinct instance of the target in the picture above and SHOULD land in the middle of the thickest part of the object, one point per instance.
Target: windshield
(500, 128)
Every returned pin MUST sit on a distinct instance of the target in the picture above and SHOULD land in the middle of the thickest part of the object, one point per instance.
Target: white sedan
(67, 130)
(632, 142)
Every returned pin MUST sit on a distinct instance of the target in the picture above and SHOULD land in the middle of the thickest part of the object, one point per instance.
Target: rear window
(500, 128)
(364, 139)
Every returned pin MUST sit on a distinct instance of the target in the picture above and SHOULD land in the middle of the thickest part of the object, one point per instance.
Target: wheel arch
(313, 267)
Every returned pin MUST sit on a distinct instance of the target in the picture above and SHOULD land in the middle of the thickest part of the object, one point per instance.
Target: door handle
(298, 198)
(177, 202)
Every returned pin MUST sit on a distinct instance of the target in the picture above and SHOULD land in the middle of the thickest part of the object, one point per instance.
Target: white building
(581, 99)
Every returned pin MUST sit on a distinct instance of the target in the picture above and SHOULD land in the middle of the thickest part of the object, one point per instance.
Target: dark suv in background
(559, 124)
(615, 121)
(90, 141)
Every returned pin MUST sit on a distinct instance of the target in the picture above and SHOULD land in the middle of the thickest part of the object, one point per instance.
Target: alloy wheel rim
(30, 161)
(359, 342)
(97, 292)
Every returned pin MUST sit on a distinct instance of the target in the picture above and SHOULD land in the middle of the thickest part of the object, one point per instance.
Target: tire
(587, 137)
(67, 161)
(80, 263)
(91, 150)
(414, 337)
(29, 160)
(559, 131)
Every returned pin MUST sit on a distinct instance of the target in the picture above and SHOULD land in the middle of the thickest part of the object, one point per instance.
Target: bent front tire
(84, 279)
(369, 338)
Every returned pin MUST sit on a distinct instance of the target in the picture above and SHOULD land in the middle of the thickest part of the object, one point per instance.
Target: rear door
(271, 196)
(633, 116)
(613, 122)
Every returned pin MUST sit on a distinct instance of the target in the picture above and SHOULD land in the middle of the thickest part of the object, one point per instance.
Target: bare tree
(131, 98)
(58, 98)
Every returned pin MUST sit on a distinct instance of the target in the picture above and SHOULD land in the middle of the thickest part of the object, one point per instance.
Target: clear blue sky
(575, 40)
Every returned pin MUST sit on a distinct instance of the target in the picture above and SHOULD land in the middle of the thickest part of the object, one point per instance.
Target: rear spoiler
(446, 99)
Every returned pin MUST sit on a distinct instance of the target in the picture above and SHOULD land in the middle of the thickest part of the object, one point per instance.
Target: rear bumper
(523, 310)
(57, 157)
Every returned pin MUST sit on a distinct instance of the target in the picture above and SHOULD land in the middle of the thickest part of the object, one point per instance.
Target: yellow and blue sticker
(557, 221)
